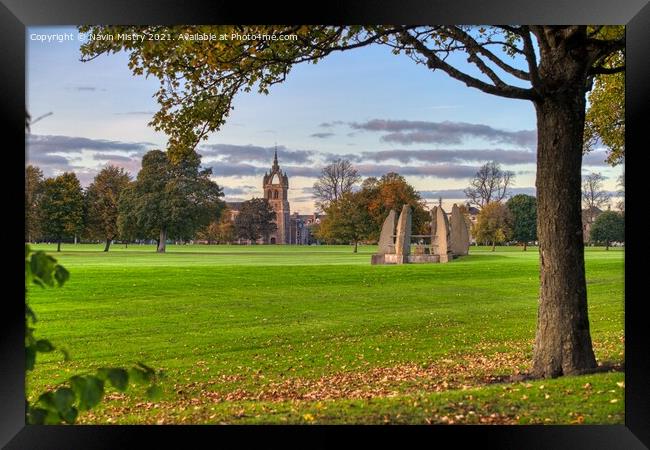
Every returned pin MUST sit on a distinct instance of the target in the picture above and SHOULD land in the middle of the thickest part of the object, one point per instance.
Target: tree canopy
(607, 228)
(391, 191)
(336, 179)
(493, 224)
(523, 209)
(102, 200)
(170, 199)
(256, 220)
(605, 118)
(33, 194)
(62, 207)
(347, 220)
(490, 184)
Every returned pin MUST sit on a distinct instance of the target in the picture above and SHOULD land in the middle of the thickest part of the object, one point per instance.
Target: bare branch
(434, 62)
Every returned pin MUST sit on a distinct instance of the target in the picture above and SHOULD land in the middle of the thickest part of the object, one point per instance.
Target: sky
(380, 111)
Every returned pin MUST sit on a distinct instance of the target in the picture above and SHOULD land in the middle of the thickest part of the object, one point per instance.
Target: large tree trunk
(58, 245)
(355, 246)
(563, 342)
(162, 242)
(108, 244)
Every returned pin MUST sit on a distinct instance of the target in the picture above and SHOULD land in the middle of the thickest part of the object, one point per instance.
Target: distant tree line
(170, 199)
(167, 200)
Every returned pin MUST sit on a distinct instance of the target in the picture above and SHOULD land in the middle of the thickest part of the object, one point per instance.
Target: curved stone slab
(459, 233)
(386, 243)
(403, 240)
(440, 234)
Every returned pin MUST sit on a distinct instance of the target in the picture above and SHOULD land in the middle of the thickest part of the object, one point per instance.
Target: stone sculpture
(459, 233)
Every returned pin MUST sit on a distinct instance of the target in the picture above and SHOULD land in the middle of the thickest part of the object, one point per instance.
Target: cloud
(438, 170)
(446, 156)
(321, 135)
(242, 190)
(69, 144)
(223, 169)
(459, 193)
(106, 157)
(331, 124)
(234, 154)
(595, 158)
(408, 132)
(50, 160)
(87, 89)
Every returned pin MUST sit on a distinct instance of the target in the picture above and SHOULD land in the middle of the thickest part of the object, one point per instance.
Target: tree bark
(494, 246)
(525, 244)
(58, 245)
(563, 342)
(607, 245)
(108, 244)
(162, 242)
(355, 246)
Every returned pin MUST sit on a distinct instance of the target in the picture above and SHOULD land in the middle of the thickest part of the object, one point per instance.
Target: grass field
(280, 334)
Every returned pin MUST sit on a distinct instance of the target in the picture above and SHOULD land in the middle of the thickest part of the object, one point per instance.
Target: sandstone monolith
(403, 239)
(459, 234)
(386, 242)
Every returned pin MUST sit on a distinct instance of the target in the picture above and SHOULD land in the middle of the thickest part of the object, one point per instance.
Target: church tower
(276, 185)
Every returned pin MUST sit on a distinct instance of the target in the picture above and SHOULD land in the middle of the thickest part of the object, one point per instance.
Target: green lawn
(280, 334)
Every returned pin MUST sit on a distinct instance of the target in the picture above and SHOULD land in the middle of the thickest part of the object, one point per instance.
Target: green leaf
(119, 378)
(154, 392)
(29, 314)
(146, 368)
(46, 400)
(70, 415)
(138, 376)
(61, 275)
(63, 399)
(30, 357)
(89, 389)
(42, 266)
(44, 346)
(36, 416)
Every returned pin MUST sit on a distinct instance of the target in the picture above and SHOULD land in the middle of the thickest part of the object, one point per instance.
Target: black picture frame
(15, 15)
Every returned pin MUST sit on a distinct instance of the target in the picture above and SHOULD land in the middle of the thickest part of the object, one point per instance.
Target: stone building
(291, 228)
(275, 186)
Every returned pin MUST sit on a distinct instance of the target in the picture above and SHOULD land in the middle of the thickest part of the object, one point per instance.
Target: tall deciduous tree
(605, 117)
(523, 209)
(218, 231)
(62, 207)
(490, 184)
(392, 191)
(170, 199)
(594, 197)
(198, 81)
(102, 199)
(621, 183)
(256, 220)
(607, 228)
(493, 224)
(347, 220)
(335, 180)
(33, 194)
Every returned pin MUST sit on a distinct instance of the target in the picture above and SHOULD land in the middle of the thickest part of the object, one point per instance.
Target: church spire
(275, 157)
